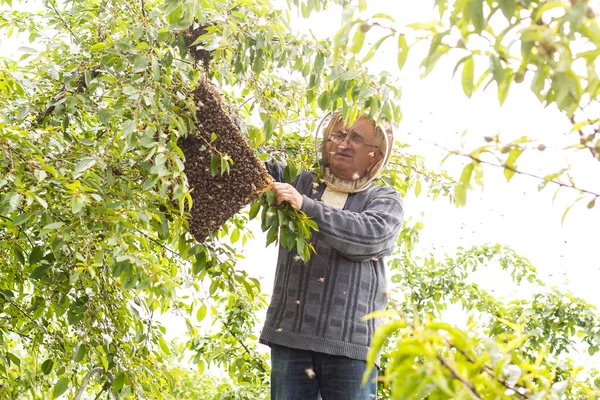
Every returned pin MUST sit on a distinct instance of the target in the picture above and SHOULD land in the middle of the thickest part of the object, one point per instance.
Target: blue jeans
(307, 375)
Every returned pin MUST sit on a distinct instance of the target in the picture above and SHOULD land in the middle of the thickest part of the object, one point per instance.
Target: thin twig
(246, 349)
(21, 334)
(144, 10)
(85, 381)
(583, 135)
(173, 252)
(472, 390)
(508, 167)
(489, 372)
(244, 103)
(65, 23)
(40, 327)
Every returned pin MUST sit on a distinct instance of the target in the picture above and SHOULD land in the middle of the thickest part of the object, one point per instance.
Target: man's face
(350, 157)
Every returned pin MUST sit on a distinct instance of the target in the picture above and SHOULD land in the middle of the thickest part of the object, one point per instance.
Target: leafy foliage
(555, 43)
(95, 246)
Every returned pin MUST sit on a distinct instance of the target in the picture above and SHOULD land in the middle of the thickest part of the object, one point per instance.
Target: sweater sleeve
(275, 170)
(359, 236)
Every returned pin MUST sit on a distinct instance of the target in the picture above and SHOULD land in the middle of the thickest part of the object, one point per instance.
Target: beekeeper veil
(383, 138)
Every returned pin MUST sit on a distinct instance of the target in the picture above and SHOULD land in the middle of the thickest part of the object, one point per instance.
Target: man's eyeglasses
(355, 139)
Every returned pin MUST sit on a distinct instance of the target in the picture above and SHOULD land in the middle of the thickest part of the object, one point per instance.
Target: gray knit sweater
(318, 306)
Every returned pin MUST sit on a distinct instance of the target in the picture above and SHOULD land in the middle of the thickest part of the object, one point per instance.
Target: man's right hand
(286, 192)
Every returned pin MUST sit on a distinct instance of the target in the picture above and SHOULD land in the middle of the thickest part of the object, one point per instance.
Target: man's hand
(286, 192)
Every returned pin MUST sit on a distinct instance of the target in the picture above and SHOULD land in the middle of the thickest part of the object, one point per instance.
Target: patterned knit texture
(319, 305)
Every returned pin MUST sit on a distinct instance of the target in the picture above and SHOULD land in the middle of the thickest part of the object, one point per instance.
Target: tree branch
(507, 167)
(143, 6)
(20, 230)
(487, 370)
(246, 349)
(582, 135)
(472, 390)
(40, 327)
(64, 23)
(87, 378)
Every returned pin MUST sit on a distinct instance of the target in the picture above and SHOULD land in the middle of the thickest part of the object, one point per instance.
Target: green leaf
(481, 79)
(402, 51)
(300, 245)
(47, 366)
(213, 287)
(511, 163)
(476, 12)
(200, 264)
(357, 40)
(128, 127)
(496, 69)
(163, 345)
(436, 50)
(460, 195)
(60, 387)
(119, 382)
(254, 210)
(508, 8)
(340, 39)
(84, 164)
(323, 101)
(224, 165)
(384, 16)
(42, 202)
(290, 172)
(467, 76)
(235, 235)
(214, 165)
(77, 204)
(583, 123)
(201, 313)
(37, 253)
(259, 62)
(504, 86)
(538, 82)
(98, 47)
(54, 225)
(40, 174)
(417, 188)
(19, 255)
(319, 63)
(140, 63)
(286, 237)
(104, 116)
(375, 47)
(79, 352)
(13, 202)
(562, 220)
(272, 235)
(14, 359)
(150, 182)
(39, 272)
(305, 10)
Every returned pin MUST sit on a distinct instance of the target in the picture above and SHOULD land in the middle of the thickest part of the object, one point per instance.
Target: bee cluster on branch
(222, 170)
(197, 52)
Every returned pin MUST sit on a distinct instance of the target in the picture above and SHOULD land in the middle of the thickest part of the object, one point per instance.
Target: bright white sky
(514, 214)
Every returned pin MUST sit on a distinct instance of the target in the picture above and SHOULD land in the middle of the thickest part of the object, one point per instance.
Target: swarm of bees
(200, 55)
(217, 196)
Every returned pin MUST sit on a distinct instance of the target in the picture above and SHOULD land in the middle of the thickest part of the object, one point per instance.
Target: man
(319, 341)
